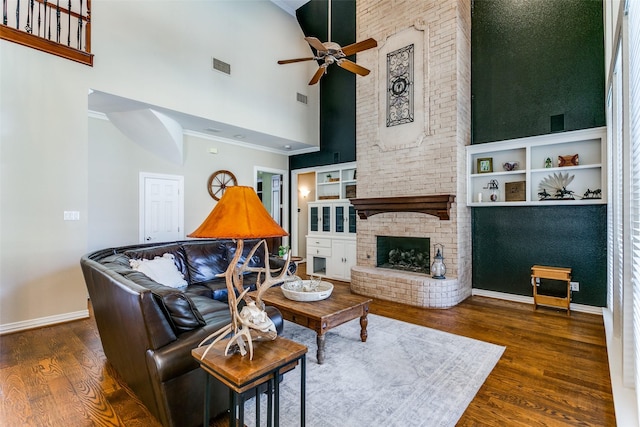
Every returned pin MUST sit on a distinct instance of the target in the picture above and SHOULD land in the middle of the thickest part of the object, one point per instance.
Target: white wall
(114, 165)
(54, 158)
(43, 173)
(175, 55)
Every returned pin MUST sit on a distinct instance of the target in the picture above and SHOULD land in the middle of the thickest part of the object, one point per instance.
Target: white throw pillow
(162, 270)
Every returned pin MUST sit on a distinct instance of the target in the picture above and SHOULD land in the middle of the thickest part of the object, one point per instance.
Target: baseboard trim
(529, 300)
(42, 321)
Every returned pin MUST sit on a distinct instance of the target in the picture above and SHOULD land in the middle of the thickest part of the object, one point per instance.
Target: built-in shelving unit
(331, 238)
(538, 159)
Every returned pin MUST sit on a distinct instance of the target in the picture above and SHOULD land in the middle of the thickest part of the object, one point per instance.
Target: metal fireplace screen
(403, 253)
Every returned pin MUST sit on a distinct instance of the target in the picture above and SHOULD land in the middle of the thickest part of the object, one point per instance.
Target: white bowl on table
(307, 290)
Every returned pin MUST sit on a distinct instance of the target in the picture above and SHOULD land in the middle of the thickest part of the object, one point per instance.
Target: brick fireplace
(421, 156)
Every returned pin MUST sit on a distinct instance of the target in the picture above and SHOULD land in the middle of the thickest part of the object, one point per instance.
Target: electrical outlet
(575, 286)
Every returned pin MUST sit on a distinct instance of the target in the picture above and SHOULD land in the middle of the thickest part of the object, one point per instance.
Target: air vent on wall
(221, 66)
(301, 98)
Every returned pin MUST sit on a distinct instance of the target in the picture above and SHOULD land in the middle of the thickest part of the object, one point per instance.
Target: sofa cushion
(205, 260)
(179, 307)
(150, 252)
(117, 263)
(161, 269)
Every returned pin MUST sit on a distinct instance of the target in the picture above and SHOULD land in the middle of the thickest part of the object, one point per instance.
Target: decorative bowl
(510, 166)
(302, 290)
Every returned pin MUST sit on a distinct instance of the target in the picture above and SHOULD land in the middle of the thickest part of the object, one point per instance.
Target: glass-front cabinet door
(313, 218)
(345, 218)
(334, 218)
(340, 218)
(352, 219)
(326, 219)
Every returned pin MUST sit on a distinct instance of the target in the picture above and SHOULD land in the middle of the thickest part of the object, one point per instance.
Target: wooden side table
(553, 273)
(240, 374)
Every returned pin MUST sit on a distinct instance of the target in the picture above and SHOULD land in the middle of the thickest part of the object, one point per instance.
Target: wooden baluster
(18, 15)
(39, 17)
(4, 12)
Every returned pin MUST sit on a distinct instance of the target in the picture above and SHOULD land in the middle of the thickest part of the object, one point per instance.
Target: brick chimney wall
(433, 160)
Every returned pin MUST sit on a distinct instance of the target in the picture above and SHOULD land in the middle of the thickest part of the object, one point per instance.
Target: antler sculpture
(252, 322)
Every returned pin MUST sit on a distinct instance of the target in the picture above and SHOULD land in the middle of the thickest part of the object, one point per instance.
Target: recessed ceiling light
(239, 136)
(287, 147)
(213, 130)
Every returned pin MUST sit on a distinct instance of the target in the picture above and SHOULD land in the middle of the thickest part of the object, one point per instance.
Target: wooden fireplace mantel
(437, 205)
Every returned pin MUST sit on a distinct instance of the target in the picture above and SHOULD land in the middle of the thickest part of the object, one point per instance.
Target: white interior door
(161, 208)
(276, 198)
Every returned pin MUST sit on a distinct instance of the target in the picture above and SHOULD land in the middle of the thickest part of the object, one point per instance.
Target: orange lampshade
(239, 215)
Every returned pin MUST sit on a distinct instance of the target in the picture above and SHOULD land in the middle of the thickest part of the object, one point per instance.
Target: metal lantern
(438, 269)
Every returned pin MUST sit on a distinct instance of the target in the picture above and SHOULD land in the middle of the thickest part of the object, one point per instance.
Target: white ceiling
(101, 103)
(290, 6)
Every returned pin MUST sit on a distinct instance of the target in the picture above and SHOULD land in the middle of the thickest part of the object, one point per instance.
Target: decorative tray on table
(307, 290)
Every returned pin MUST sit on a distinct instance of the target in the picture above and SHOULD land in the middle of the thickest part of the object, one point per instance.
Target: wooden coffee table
(321, 316)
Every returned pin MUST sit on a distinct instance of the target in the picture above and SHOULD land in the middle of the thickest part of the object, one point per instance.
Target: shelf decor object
(485, 165)
(556, 185)
(515, 191)
(570, 160)
(240, 215)
(510, 166)
(494, 188)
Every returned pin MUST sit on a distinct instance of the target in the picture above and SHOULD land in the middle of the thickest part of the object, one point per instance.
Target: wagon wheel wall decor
(219, 181)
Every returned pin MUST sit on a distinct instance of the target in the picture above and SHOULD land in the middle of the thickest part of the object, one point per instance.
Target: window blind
(634, 136)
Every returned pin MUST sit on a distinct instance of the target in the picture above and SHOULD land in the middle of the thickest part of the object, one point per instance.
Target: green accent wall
(538, 68)
(507, 241)
(337, 87)
(532, 60)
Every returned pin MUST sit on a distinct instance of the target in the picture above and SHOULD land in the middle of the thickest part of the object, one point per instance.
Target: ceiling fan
(332, 53)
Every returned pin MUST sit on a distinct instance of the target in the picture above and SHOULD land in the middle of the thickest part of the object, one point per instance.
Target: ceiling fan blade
(359, 47)
(316, 44)
(352, 66)
(317, 75)
(289, 61)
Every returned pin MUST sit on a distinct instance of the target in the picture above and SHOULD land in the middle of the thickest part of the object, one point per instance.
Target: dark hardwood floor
(554, 371)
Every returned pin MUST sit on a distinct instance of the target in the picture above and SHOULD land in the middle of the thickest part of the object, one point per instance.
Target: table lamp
(240, 215)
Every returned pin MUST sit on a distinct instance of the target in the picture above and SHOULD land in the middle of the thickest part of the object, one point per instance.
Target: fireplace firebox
(403, 253)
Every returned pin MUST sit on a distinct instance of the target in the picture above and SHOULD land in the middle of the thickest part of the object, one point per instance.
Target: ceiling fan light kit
(332, 53)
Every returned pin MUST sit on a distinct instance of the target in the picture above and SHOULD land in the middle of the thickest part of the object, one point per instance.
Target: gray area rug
(404, 375)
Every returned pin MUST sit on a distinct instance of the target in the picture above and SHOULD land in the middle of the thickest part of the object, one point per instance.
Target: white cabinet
(332, 218)
(520, 168)
(343, 257)
(331, 241)
(318, 255)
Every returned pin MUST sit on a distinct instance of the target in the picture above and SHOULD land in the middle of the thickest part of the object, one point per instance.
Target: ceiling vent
(301, 98)
(221, 66)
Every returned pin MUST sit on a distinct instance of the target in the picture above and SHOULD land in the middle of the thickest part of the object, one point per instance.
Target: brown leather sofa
(148, 330)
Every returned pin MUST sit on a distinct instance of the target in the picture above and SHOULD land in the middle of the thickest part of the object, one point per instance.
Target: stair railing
(62, 30)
